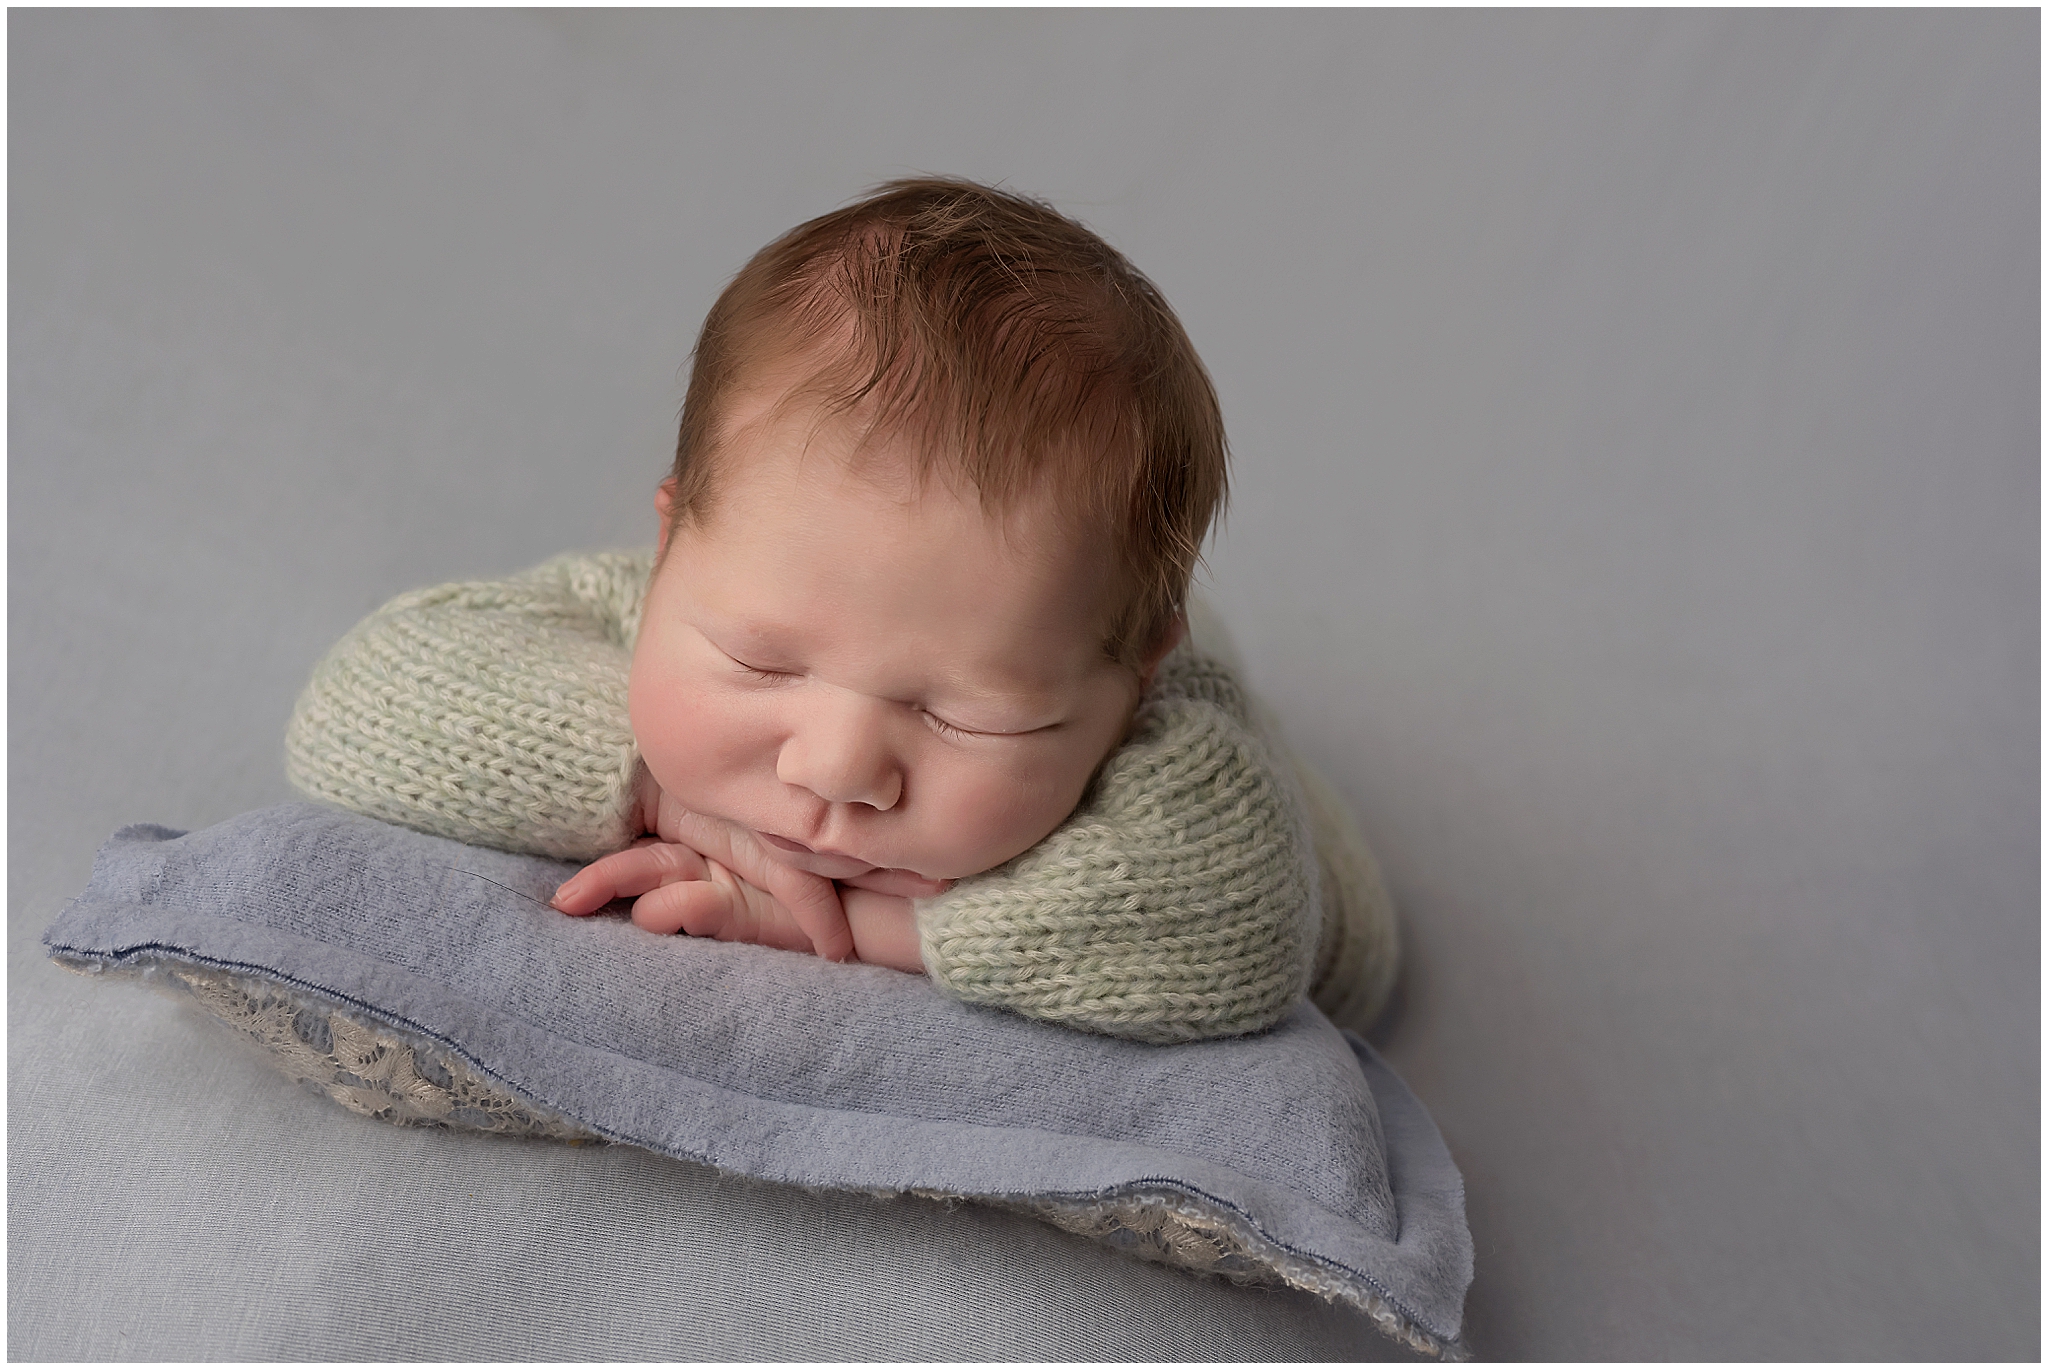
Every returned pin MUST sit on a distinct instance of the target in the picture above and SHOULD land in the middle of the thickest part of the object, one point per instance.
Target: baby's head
(946, 465)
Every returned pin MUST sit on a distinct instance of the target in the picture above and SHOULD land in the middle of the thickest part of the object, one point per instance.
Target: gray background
(1635, 511)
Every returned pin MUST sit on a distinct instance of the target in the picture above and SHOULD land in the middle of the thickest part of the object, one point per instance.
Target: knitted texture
(1178, 902)
(492, 712)
(1359, 956)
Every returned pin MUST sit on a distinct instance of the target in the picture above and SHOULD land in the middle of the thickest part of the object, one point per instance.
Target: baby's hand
(675, 888)
(710, 878)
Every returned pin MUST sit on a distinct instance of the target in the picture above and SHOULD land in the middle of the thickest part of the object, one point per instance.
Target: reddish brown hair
(1017, 350)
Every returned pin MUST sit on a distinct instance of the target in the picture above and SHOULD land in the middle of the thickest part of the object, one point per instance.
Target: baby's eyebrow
(748, 638)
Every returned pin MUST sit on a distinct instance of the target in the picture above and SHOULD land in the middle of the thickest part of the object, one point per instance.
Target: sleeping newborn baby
(906, 678)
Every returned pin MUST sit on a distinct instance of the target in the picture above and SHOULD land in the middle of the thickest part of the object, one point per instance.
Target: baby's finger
(810, 899)
(625, 874)
(815, 905)
(587, 891)
(596, 885)
(712, 836)
(698, 907)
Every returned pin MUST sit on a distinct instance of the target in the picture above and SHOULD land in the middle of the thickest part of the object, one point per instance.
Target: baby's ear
(1169, 638)
(664, 505)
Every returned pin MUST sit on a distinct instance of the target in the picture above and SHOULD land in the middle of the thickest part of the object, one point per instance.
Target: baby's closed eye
(945, 729)
(991, 730)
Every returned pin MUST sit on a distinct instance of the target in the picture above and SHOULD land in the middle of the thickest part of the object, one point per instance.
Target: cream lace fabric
(365, 1069)
(1179, 1230)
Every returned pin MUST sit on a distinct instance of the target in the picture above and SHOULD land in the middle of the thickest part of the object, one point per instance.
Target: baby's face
(872, 676)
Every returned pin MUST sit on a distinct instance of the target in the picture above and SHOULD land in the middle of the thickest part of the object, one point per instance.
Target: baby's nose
(839, 752)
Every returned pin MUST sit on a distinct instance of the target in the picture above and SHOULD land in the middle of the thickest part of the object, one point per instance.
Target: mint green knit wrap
(1174, 904)
(492, 712)
(1179, 901)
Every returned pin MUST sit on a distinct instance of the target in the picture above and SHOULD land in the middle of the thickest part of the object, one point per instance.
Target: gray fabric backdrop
(1636, 419)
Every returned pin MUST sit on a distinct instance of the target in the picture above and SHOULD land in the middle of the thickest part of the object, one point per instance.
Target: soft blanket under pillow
(425, 980)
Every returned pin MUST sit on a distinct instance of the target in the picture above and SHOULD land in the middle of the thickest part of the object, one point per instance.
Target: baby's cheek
(674, 730)
(989, 814)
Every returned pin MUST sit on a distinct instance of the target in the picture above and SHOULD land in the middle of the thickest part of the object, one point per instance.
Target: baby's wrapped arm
(492, 712)
(1178, 903)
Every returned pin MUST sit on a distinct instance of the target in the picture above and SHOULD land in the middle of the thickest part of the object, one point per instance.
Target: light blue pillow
(422, 980)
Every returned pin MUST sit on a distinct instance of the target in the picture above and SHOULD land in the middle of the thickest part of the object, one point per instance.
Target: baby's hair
(1015, 350)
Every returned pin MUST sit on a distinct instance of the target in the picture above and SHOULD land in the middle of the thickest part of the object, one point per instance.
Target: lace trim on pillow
(1179, 1230)
(365, 1069)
